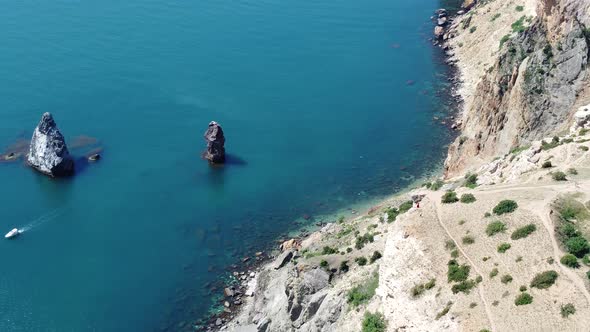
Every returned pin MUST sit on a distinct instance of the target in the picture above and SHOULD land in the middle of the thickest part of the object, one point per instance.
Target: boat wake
(41, 220)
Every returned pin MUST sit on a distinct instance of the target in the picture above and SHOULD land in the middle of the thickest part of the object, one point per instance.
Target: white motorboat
(13, 233)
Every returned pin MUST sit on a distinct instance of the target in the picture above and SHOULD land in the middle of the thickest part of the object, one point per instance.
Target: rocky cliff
(524, 67)
(48, 152)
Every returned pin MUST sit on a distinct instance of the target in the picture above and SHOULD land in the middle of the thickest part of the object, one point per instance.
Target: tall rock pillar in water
(215, 144)
(48, 152)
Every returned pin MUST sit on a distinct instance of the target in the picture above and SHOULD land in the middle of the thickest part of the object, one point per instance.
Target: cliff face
(536, 78)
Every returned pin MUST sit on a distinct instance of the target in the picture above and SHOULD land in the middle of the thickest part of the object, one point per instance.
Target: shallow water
(313, 97)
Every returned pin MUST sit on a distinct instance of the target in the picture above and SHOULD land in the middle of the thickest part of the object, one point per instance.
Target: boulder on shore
(215, 152)
(48, 152)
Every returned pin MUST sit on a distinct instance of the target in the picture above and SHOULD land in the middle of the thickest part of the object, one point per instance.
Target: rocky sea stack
(48, 152)
(215, 144)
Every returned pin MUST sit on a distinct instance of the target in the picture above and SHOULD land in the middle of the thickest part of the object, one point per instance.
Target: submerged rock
(215, 144)
(48, 152)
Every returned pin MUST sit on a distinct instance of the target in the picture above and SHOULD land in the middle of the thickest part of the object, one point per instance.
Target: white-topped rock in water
(48, 152)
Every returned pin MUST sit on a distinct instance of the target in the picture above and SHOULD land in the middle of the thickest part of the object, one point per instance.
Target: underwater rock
(48, 152)
(94, 157)
(215, 152)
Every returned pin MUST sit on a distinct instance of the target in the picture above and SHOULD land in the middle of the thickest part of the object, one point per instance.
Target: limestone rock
(215, 152)
(439, 31)
(283, 259)
(48, 152)
(290, 244)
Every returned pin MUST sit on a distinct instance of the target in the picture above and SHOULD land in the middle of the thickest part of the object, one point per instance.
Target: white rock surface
(48, 152)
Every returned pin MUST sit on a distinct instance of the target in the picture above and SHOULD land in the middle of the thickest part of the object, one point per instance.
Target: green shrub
(504, 39)
(547, 164)
(472, 29)
(349, 249)
(450, 244)
(361, 261)
(478, 279)
(449, 197)
(502, 248)
(376, 255)
(588, 274)
(522, 232)
(523, 299)
(374, 322)
(444, 311)
(522, 288)
(559, 176)
(554, 143)
(583, 148)
(470, 180)
(487, 214)
(324, 264)
(392, 214)
(493, 273)
(364, 239)
(405, 206)
(344, 266)
(494, 17)
(567, 309)
(544, 280)
(463, 287)
(519, 8)
(468, 239)
(457, 272)
(570, 260)
(495, 227)
(421, 288)
(577, 246)
(467, 198)
(586, 259)
(454, 253)
(506, 278)
(363, 293)
(328, 250)
(436, 185)
(505, 206)
(518, 25)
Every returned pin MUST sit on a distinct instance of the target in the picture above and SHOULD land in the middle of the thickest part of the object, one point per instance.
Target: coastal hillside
(501, 249)
(523, 66)
(500, 242)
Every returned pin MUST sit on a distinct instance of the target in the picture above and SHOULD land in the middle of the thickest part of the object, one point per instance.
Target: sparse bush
(472, 305)
(344, 267)
(567, 309)
(449, 197)
(588, 274)
(518, 25)
(547, 164)
(494, 17)
(502, 248)
(444, 311)
(421, 288)
(374, 322)
(405, 206)
(577, 246)
(506, 278)
(487, 214)
(450, 244)
(324, 264)
(470, 180)
(505, 206)
(495, 227)
(583, 147)
(392, 214)
(376, 255)
(544, 280)
(361, 261)
(468, 239)
(463, 287)
(363, 293)
(559, 176)
(349, 249)
(522, 288)
(570, 260)
(362, 240)
(467, 198)
(456, 272)
(478, 279)
(504, 39)
(519, 8)
(572, 171)
(454, 253)
(436, 185)
(493, 273)
(472, 29)
(522, 232)
(523, 299)
(328, 250)
(518, 259)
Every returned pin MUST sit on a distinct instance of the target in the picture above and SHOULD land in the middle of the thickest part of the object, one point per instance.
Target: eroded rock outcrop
(48, 152)
(215, 152)
(537, 81)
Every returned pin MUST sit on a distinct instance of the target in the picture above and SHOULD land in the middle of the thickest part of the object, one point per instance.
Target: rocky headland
(500, 241)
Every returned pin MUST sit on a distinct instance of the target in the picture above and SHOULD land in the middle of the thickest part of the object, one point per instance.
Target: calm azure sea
(325, 104)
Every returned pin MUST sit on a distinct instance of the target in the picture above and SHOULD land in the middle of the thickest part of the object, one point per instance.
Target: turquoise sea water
(318, 114)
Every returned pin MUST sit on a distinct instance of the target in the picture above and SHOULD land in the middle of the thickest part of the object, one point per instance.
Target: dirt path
(481, 292)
